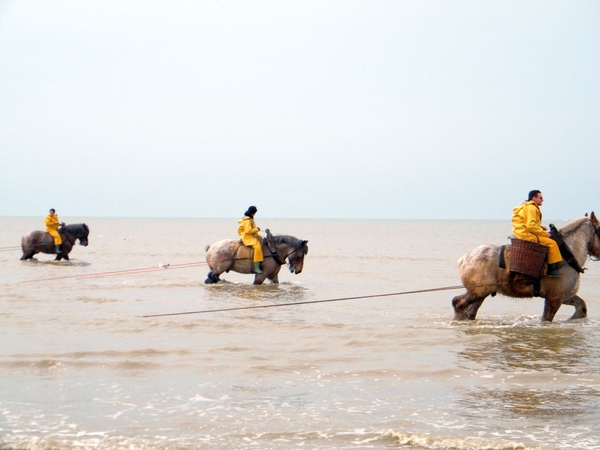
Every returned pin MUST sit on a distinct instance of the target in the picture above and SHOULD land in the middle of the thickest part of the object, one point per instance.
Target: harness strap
(273, 248)
(67, 235)
(501, 259)
(565, 251)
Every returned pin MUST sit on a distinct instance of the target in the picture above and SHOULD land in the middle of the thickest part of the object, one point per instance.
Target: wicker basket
(527, 257)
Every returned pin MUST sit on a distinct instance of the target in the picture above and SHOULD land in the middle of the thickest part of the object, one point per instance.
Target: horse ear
(593, 217)
(305, 246)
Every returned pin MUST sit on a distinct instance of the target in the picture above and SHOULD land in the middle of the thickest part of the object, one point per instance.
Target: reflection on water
(534, 404)
(52, 262)
(534, 374)
(567, 349)
(250, 295)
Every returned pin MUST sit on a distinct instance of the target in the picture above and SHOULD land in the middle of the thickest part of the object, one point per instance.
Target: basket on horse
(527, 257)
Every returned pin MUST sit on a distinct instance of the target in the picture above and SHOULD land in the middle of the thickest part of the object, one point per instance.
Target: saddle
(242, 253)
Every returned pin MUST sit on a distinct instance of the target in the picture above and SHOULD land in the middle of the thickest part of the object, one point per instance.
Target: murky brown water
(81, 368)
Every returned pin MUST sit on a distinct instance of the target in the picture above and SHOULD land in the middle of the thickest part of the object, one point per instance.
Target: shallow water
(82, 368)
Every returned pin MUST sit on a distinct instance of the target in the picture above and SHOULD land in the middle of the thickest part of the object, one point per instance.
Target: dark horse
(481, 275)
(40, 241)
(227, 254)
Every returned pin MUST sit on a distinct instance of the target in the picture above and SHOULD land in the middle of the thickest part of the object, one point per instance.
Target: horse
(40, 241)
(482, 275)
(228, 254)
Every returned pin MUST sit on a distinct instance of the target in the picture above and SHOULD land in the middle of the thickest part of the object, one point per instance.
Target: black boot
(57, 249)
(257, 267)
(553, 271)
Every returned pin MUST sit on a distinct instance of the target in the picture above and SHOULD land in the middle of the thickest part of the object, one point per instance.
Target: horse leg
(274, 277)
(551, 306)
(259, 278)
(212, 278)
(466, 306)
(580, 307)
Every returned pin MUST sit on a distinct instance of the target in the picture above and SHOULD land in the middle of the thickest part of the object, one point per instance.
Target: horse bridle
(596, 231)
(281, 261)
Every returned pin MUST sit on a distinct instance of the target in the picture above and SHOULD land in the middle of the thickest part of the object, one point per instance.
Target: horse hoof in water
(212, 278)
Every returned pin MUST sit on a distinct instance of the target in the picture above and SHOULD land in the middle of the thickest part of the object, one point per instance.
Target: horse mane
(291, 241)
(77, 228)
(575, 240)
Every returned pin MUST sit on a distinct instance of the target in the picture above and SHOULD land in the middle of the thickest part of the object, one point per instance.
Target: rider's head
(52, 211)
(251, 211)
(533, 194)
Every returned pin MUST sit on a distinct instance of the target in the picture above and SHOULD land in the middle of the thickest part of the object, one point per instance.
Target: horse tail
(206, 248)
(459, 261)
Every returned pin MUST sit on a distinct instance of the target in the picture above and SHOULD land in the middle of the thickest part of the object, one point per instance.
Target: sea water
(369, 359)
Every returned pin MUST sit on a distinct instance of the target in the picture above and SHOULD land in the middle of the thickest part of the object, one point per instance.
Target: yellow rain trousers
(248, 232)
(527, 225)
(52, 224)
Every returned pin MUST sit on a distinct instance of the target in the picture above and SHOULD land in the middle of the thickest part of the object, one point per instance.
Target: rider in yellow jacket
(527, 225)
(52, 224)
(248, 232)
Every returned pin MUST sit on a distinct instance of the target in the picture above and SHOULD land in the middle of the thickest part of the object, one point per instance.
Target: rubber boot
(553, 271)
(58, 249)
(257, 267)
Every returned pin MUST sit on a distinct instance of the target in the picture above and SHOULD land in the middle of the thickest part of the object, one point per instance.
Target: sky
(307, 109)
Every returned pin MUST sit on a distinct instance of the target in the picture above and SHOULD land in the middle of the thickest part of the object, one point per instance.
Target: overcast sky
(306, 109)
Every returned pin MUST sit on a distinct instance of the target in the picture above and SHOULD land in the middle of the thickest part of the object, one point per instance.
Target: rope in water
(121, 272)
(277, 305)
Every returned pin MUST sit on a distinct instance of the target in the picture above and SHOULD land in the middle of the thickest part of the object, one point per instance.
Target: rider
(527, 225)
(52, 224)
(248, 232)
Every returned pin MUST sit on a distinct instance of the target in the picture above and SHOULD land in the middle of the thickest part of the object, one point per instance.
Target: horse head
(83, 235)
(78, 231)
(296, 257)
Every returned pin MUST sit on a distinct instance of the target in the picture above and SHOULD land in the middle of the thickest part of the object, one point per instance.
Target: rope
(10, 249)
(120, 272)
(277, 305)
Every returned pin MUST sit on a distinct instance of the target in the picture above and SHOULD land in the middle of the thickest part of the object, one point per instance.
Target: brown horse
(227, 254)
(40, 241)
(481, 275)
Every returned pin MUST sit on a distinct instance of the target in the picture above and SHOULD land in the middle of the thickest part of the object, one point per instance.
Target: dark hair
(52, 210)
(251, 210)
(533, 193)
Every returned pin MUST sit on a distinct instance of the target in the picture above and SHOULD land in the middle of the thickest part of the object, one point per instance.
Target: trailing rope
(9, 249)
(277, 305)
(121, 272)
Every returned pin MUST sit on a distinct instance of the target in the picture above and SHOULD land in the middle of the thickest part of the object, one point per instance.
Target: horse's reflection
(527, 403)
(526, 348)
(251, 295)
(536, 373)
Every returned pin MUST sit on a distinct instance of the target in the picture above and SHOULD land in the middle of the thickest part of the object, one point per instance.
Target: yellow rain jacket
(527, 225)
(52, 224)
(248, 232)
